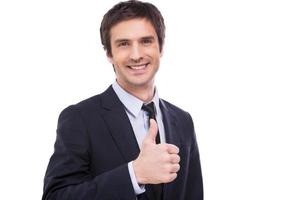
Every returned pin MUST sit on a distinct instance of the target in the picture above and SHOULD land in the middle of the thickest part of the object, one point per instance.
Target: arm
(69, 175)
(194, 179)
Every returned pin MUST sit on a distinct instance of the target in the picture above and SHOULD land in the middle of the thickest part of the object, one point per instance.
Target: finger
(152, 132)
(171, 177)
(172, 149)
(175, 158)
(175, 168)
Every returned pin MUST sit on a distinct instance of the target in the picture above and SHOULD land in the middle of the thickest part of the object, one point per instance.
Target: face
(135, 53)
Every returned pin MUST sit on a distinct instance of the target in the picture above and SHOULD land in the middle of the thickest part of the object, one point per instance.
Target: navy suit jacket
(95, 141)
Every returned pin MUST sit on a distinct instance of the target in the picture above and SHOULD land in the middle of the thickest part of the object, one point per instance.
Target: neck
(144, 93)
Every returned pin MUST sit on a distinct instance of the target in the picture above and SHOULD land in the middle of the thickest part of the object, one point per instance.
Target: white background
(234, 65)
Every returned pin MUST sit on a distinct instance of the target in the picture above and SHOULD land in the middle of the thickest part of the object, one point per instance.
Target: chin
(141, 83)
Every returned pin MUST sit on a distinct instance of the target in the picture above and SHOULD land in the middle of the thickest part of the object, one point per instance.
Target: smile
(138, 67)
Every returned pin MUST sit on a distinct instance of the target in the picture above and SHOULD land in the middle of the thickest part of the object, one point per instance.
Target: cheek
(120, 57)
(153, 51)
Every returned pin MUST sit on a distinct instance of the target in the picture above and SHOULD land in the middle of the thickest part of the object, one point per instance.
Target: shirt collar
(132, 103)
(155, 100)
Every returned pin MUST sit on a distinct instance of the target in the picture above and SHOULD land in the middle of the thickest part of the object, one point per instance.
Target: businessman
(126, 143)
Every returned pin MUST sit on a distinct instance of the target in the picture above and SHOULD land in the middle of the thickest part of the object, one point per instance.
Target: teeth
(137, 67)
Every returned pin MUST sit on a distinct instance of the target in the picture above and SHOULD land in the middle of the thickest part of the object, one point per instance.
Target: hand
(156, 163)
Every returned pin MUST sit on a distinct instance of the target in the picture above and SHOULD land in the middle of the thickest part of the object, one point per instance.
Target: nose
(136, 53)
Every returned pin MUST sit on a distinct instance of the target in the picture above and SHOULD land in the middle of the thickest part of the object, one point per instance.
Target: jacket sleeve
(68, 175)
(194, 179)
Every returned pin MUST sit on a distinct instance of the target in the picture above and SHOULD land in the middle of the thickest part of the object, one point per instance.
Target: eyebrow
(126, 40)
(120, 40)
(148, 38)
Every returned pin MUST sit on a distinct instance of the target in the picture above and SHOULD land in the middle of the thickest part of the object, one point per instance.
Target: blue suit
(95, 142)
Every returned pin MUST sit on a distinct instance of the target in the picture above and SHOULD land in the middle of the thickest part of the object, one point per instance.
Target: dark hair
(130, 10)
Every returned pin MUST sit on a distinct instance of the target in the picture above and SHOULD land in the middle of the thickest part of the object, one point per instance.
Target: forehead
(132, 29)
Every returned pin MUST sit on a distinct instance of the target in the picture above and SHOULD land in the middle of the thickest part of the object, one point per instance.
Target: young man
(126, 143)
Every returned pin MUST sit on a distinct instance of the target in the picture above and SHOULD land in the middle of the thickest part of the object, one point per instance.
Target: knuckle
(176, 159)
(165, 147)
(162, 147)
(172, 177)
(175, 149)
(177, 167)
(172, 147)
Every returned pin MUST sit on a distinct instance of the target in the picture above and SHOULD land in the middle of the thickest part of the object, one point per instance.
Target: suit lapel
(121, 130)
(170, 123)
(119, 125)
(172, 136)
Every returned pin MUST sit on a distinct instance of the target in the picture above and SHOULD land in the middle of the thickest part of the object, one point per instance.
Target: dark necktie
(149, 108)
(156, 188)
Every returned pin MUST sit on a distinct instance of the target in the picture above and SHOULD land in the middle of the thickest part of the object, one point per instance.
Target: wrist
(138, 172)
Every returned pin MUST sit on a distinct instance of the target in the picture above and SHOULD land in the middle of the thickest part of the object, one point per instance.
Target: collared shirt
(139, 122)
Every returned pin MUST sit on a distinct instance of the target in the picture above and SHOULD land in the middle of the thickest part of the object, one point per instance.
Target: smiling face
(135, 53)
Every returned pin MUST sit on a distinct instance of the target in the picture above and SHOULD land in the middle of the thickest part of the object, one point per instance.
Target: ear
(109, 58)
(161, 53)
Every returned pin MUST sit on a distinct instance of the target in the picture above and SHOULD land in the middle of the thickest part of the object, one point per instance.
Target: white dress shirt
(139, 120)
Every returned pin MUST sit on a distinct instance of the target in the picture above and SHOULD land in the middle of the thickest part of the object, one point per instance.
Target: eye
(147, 41)
(123, 44)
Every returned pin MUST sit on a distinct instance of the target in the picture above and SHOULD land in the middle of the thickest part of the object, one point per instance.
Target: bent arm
(69, 175)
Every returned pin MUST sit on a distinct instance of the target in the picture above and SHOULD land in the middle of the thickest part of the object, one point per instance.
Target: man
(126, 143)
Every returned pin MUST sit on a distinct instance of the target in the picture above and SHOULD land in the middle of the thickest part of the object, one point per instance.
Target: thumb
(152, 132)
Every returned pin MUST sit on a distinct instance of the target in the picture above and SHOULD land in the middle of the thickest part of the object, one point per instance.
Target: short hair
(127, 10)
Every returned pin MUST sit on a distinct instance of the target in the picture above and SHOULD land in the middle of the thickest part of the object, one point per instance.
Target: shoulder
(88, 107)
(95, 101)
(182, 117)
(179, 112)
(85, 105)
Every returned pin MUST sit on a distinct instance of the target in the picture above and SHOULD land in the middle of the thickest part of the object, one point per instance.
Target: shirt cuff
(138, 189)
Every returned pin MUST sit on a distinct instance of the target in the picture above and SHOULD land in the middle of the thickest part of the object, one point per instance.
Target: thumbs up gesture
(156, 163)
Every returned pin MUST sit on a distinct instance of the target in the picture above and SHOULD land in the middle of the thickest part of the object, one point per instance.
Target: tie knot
(150, 109)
